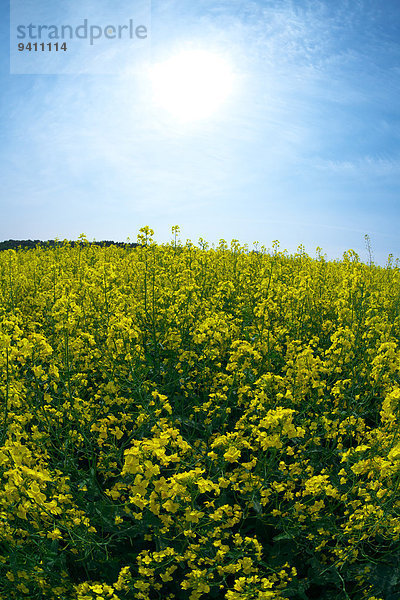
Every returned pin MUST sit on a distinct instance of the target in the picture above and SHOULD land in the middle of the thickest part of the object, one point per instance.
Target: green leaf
(282, 536)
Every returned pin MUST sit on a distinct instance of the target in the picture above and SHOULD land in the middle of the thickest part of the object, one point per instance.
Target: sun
(192, 85)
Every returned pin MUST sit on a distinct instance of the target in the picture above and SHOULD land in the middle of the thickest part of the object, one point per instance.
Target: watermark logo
(82, 32)
(78, 37)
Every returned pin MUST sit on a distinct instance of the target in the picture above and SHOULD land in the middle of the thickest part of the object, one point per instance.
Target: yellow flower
(232, 454)
(171, 506)
(55, 534)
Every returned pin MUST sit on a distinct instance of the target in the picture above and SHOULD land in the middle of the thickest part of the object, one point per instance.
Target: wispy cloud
(367, 166)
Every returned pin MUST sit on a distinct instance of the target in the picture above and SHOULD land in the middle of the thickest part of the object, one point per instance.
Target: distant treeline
(27, 244)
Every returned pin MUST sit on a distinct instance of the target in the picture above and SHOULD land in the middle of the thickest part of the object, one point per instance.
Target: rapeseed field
(186, 422)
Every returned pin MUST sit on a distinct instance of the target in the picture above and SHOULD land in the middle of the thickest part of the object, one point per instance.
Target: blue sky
(305, 150)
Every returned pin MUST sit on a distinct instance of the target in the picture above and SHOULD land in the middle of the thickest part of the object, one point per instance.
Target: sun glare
(192, 85)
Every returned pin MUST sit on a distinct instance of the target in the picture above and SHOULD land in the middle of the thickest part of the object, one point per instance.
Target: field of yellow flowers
(186, 422)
